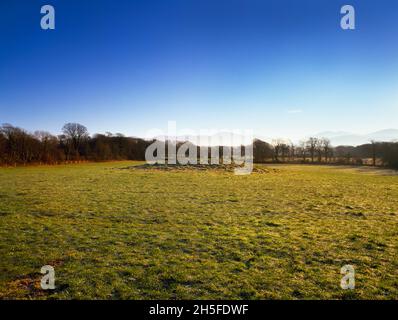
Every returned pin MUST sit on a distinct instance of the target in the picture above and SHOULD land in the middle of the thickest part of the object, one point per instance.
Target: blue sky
(280, 68)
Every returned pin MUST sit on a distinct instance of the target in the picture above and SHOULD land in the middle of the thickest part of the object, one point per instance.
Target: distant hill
(337, 138)
(223, 138)
(346, 138)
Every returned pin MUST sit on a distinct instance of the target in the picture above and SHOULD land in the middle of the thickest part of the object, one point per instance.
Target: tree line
(320, 150)
(17, 146)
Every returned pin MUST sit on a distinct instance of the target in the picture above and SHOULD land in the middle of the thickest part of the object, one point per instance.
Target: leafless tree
(292, 151)
(284, 151)
(302, 150)
(279, 147)
(48, 152)
(326, 146)
(312, 144)
(75, 134)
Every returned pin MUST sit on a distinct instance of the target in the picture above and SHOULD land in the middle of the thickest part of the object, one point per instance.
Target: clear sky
(279, 67)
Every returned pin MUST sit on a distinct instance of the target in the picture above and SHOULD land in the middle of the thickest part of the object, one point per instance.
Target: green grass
(139, 234)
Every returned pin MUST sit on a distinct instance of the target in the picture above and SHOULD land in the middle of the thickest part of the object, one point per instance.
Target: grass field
(115, 233)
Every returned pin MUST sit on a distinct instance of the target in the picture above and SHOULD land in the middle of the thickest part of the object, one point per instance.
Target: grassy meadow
(117, 233)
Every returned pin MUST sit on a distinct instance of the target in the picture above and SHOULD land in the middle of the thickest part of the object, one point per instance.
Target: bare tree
(279, 148)
(75, 134)
(21, 146)
(284, 151)
(302, 150)
(312, 144)
(326, 146)
(48, 151)
(292, 151)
